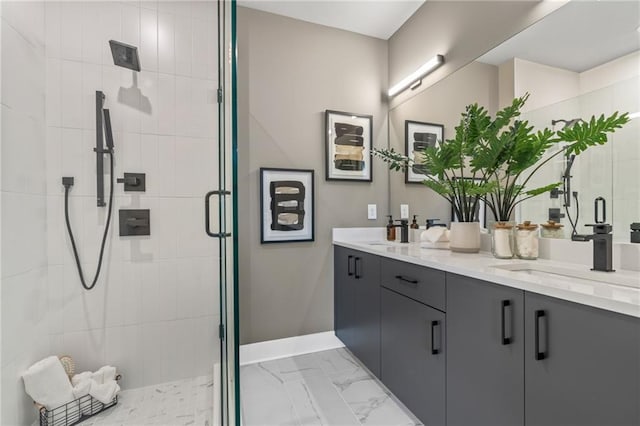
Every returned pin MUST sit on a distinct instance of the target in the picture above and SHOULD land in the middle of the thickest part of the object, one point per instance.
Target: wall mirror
(581, 60)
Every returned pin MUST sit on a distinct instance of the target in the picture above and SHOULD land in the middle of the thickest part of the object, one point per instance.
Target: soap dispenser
(414, 224)
(391, 229)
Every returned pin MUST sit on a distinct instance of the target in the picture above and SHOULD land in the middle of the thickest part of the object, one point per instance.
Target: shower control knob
(129, 181)
(133, 182)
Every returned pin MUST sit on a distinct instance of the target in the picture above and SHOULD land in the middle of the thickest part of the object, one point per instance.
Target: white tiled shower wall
(155, 308)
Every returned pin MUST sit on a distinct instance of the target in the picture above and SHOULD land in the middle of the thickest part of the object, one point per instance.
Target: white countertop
(612, 297)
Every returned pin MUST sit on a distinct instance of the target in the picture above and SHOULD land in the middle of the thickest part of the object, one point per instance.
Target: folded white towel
(104, 374)
(104, 392)
(435, 234)
(81, 377)
(98, 377)
(107, 372)
(47, 383)
(82, 388)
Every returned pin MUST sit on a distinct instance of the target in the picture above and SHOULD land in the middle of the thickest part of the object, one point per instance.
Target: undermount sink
(549, 271)
(381, 243)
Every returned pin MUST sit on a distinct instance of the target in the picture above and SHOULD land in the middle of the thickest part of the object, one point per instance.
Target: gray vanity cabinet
(413, 341)
(344, 293)
(485, 353)
(413, 355)
(582, 365)
(357, 304)
(502, 357)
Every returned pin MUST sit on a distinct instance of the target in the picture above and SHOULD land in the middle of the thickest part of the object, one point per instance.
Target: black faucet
(602, 239)
(602, 246)
(404, 230)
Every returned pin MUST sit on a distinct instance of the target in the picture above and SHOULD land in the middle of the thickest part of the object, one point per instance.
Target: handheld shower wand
(566, 189)
(566, 179)
(67, 182)
(566, 176)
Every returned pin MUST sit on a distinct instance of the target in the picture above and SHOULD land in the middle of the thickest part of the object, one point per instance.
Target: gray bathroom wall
(290, 73)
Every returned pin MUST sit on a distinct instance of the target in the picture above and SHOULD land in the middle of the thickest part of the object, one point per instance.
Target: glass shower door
(220, 213)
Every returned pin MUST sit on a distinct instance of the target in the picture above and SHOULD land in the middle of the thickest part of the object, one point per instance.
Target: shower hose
(67, 187)
(574, 225)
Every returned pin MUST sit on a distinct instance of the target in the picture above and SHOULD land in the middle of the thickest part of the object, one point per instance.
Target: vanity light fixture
(414, 79)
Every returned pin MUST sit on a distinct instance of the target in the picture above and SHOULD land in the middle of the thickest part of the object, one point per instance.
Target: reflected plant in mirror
(494, 158)
(510, 152)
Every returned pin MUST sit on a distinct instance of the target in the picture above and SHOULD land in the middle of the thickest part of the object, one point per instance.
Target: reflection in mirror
(581, 60)
(609, 171)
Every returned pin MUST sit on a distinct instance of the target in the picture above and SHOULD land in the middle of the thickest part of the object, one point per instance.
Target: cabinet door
(582, 365)
(485, 347)
(366, 338)
(413, 355)
(344, 294)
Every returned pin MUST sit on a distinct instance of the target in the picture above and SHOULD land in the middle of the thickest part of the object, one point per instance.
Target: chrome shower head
(125, 55)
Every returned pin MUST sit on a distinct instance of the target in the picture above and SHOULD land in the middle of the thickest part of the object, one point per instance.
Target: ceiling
(577, 37)
(375, 18)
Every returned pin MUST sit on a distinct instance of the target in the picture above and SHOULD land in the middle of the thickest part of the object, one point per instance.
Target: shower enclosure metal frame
(227, 219)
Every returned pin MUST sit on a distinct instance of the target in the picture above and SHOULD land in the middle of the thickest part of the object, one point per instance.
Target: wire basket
(74, 412)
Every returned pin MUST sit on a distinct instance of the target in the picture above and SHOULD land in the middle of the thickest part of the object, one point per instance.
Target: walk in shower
(133, 100)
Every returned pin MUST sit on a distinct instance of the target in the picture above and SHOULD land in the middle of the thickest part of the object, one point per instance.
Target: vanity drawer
(417, 282)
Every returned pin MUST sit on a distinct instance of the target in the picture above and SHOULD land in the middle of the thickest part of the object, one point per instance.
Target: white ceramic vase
(464, 237)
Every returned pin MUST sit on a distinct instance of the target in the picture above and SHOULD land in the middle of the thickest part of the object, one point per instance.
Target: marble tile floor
(327, 388)
(180, 403)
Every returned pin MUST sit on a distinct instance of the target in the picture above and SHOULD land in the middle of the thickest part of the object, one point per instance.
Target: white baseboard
(290, 346)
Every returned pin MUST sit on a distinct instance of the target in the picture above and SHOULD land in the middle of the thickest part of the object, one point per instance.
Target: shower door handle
(207, 224)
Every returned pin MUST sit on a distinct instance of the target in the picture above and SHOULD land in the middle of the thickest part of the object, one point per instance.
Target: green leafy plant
(448, 165)
(494, 159)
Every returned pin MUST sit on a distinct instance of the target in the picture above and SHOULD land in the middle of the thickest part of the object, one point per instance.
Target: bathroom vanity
(460, 340)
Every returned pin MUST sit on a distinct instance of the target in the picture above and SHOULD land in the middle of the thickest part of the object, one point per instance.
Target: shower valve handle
(135, 222)
(133, 181)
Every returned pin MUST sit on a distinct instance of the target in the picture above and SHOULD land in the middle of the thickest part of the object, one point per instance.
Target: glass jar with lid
(527, 240)
(502, 240)
(551, 229)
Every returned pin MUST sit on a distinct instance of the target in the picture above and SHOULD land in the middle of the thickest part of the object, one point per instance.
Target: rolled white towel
(104, 392)
(47, 383)
(438, 234)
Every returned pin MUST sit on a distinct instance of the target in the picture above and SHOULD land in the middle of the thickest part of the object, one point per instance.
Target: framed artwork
(348, 146)
(286, 205)
(417, 137)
